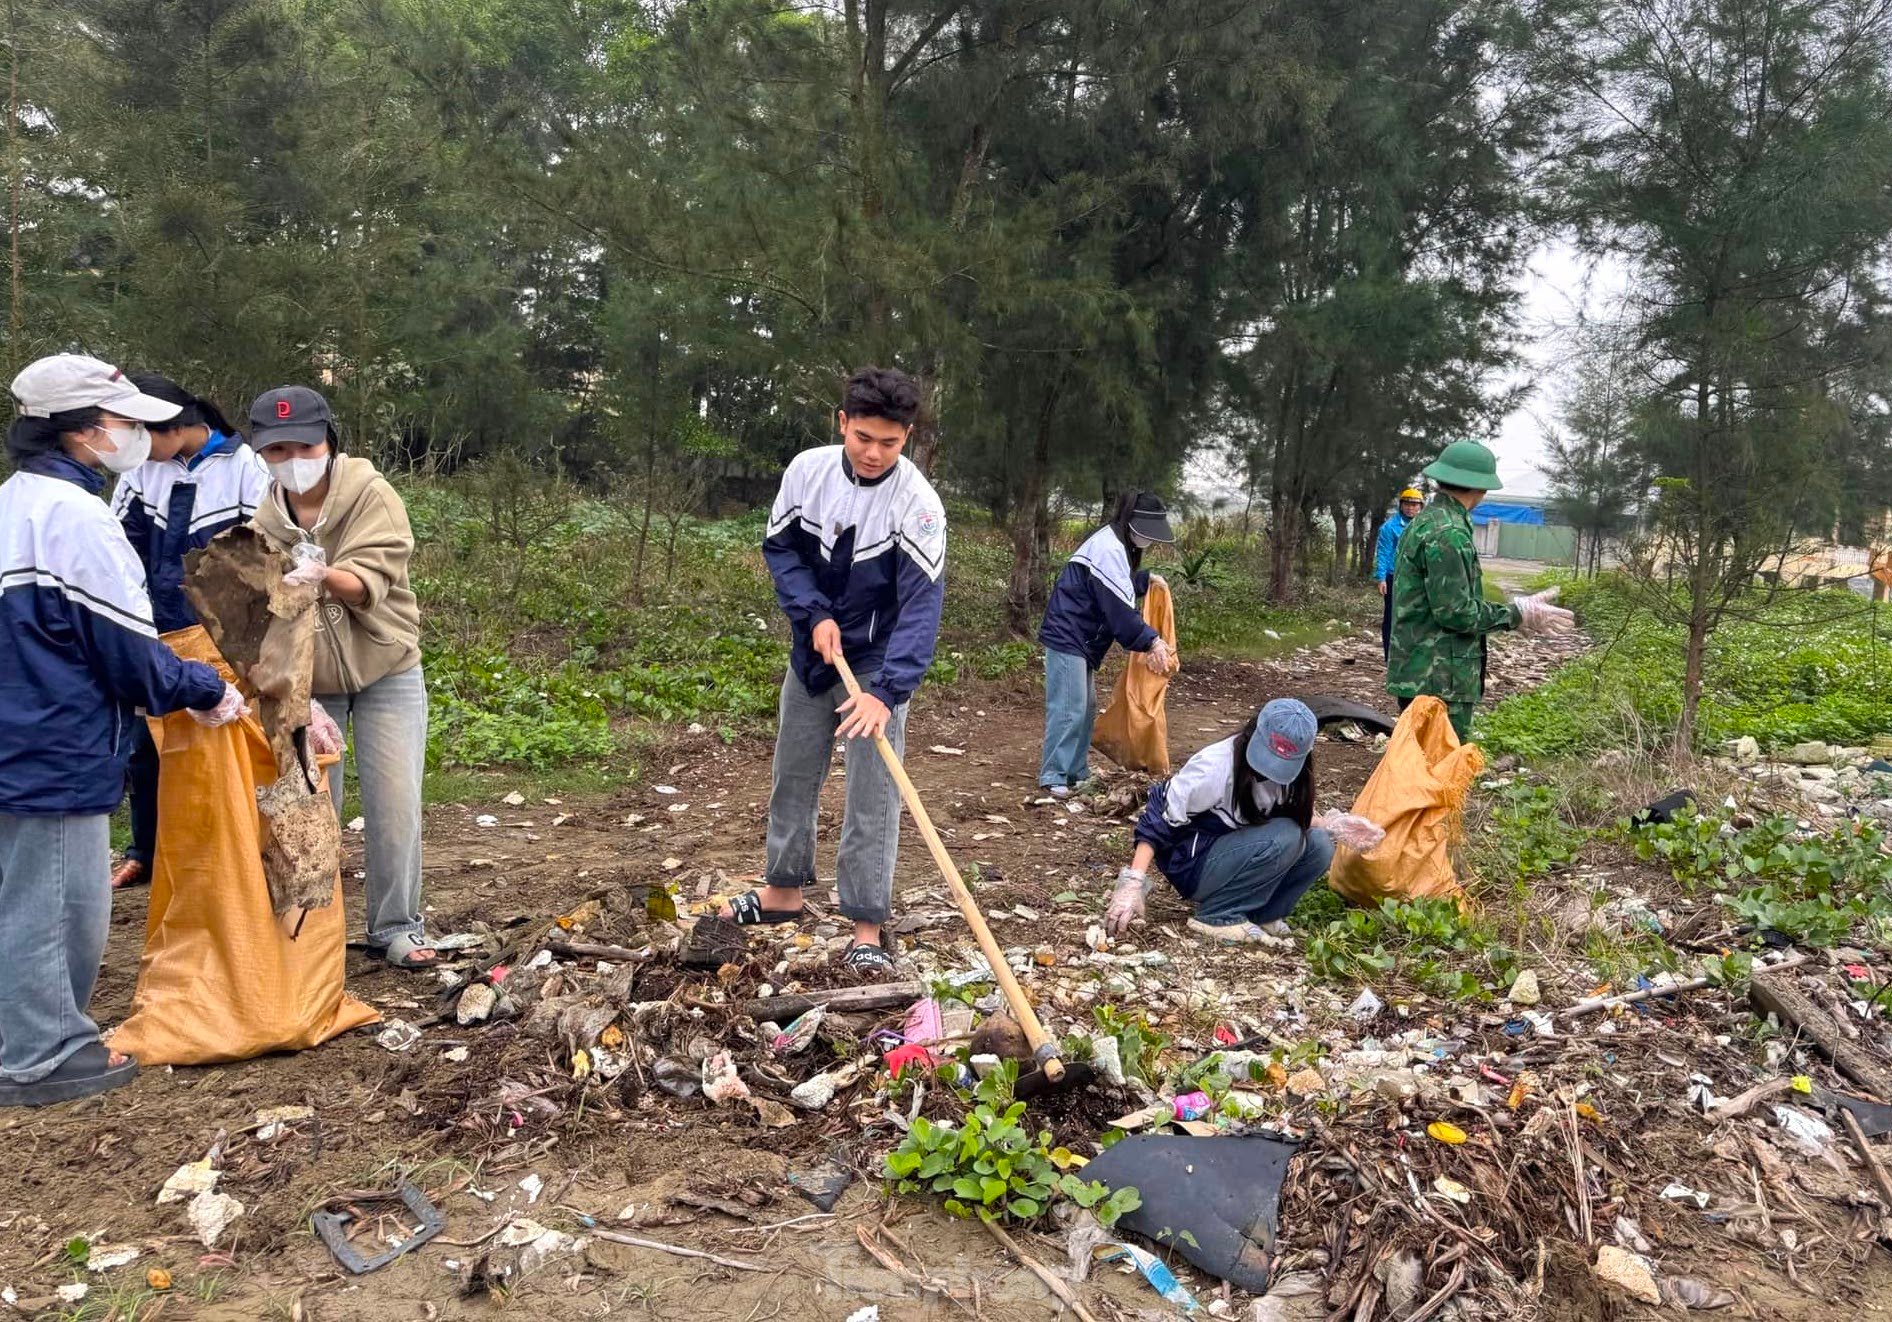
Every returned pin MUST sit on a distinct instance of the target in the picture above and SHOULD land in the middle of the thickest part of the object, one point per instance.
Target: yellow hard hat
(1411, 493)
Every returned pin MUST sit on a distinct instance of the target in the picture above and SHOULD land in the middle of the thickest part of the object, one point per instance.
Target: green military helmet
(1466, 464)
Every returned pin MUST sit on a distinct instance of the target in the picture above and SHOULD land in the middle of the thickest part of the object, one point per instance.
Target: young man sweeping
(856, 544)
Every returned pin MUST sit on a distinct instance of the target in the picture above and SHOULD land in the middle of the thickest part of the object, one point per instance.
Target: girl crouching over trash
(1234, 831)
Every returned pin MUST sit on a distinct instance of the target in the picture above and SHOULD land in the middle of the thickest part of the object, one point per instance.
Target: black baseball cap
(295, 414)
(1149, 519)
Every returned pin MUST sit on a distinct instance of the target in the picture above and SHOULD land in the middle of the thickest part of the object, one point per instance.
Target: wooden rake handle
(1044, 1049)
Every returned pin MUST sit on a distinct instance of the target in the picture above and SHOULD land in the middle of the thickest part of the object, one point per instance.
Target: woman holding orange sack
(1094, 604)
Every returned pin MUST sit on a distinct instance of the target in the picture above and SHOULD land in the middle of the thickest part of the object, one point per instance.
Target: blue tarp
(1488, 511)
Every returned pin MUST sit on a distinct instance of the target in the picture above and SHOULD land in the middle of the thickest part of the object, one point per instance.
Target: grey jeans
(55, 912)
(386, 729)
(870, 824)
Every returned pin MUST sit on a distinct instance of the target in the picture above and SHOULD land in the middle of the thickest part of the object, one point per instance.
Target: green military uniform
(1440, 615)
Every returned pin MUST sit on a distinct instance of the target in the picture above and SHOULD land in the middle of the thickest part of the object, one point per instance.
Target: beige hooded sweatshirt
(364, 529)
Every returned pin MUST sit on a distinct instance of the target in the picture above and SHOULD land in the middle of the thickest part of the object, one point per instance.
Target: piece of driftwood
(265, 631)
(1058, 1287)
(881, 996)
(1651, 993)
(1880, 1180)
(1793, 1007)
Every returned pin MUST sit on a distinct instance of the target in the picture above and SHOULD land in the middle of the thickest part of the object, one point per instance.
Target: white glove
(1537, 615)
(1126, 901)
(1159, 659)
(325, 737)
(311, 564)
(1157, 580)
(230, 707)
(1352, 830)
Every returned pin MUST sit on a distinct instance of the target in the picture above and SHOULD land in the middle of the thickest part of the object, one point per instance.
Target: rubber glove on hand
(1159, 660)
(1537, 615)
(1351, 830)
(325, 737)
(1126, 901)
(230, 707)
(311, 564)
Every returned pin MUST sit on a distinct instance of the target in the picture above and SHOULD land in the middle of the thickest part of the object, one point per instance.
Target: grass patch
(1793, 667)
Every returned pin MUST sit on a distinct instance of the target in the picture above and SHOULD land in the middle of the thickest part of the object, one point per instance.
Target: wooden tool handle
(1043, 1048)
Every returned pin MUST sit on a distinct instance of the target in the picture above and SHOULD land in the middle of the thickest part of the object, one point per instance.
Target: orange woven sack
(1133, 730)
(220, 979)
(1417, 793)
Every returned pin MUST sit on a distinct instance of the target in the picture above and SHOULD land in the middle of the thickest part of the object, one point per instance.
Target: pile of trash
(1822, 780)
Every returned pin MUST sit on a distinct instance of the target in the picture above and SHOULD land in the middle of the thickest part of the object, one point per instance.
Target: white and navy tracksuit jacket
(78, 650)
(176, 506)
(871, 556)
(1185, 815)
(1094, 602)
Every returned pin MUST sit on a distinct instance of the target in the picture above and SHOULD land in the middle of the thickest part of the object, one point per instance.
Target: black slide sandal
(745, 910)
(87, 1072)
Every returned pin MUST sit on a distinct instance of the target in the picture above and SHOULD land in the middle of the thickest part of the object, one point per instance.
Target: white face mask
(300, 475)
(134, 447)
(1139, 541)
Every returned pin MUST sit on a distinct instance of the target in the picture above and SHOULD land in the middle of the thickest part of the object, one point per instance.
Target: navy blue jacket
(1186, 814)
(1094, 602)
(173, 507)
(871, 556)
(78, 651)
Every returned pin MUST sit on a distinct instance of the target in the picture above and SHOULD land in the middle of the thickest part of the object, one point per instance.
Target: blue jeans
(386, 729)
(1256, 874)
(55, 912)
(870, 815)
(1070, 712)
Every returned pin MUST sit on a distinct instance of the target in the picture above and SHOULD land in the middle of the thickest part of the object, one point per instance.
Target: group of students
(856, 546)
(88, 593)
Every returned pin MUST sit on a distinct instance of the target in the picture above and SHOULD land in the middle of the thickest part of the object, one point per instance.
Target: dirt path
(464, 1132)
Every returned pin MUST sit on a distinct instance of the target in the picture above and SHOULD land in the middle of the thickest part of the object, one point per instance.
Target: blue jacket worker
(78, 654)
(1094, 604)
(1233, 831)
(1411, 501)
(856, 543)
(200, 479)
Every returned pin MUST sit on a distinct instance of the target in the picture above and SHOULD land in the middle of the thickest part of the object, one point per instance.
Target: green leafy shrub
(1814, 888)
(1529, 836)
(1426, 940)
(992, 1166)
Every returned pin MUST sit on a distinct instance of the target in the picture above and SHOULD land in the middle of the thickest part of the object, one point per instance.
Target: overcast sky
(1559, 289)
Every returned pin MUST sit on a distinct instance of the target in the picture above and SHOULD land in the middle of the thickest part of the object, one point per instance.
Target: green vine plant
(991, 1166)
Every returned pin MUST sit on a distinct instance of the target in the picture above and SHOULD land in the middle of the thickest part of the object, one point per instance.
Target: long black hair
(195, 409)
(29, 438)
(1297, 803)
(1120, 524)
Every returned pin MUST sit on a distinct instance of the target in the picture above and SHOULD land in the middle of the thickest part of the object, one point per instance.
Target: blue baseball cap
(1283, 738)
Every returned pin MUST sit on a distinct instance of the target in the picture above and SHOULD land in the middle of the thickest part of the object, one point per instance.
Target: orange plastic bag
(1417, 793)
(1133, 731)
(220, 978)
